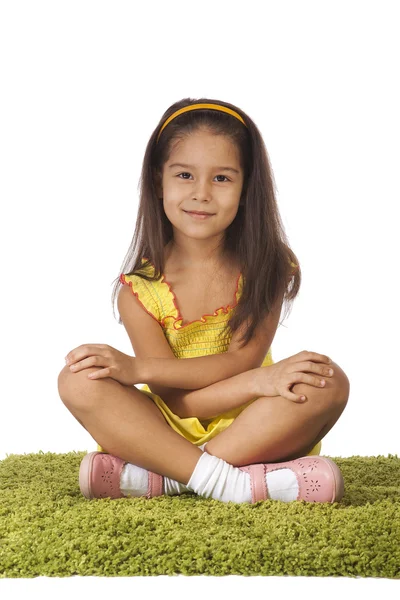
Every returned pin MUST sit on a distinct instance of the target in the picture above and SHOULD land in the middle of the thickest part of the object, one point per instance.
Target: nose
(202, 189)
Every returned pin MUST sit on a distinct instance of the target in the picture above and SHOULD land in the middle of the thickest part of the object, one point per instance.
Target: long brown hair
(256, 236)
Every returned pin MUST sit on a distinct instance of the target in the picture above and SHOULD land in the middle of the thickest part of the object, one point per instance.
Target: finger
(313, 369)
(302, 377)
(311, 366)
(99, 374)
(294, 397)
(315, 356)
(300, 399)
(319, 357)
(74, 355)
(315, 381)
(92, 361)
(310, 357)
(320, 368)
(82, 352)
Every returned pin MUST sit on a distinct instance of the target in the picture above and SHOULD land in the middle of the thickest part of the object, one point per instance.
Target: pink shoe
(319, 479)
(100, 476)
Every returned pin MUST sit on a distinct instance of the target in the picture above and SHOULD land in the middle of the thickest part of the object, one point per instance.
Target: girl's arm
(191, 373)
(218, 398)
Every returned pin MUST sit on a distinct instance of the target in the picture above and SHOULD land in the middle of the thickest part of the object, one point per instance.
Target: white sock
(215, 478)
(135, 480)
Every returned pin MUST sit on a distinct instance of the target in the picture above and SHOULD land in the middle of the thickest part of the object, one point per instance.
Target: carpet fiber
(48, 528)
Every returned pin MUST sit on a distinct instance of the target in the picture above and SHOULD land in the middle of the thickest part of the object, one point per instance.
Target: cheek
(231, 212)
(173, 195)
(173, 209)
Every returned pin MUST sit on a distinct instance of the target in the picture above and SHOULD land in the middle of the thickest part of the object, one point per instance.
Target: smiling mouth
(193, 212)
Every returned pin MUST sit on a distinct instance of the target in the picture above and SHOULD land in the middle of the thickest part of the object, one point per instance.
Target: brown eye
(179, 175)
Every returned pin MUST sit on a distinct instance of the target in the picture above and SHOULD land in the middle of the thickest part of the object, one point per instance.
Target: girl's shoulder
(150, 294)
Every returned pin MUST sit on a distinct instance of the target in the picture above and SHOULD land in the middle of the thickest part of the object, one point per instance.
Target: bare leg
(126, 423)
(276, 429)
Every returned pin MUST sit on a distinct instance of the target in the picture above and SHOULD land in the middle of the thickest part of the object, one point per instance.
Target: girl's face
(203, 173)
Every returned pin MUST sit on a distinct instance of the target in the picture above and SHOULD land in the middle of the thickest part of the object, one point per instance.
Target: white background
(84, 84)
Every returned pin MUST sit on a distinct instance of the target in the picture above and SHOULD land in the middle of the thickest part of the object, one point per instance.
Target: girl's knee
(74, 388)
(341, 382)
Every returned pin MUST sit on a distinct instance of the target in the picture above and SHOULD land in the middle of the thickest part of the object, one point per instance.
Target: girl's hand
(117, 365)
(278, 379)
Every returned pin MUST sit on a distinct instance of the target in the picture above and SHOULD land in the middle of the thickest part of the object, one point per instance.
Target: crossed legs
(128, 424)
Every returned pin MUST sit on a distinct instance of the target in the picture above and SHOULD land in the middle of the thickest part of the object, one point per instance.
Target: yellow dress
(197, 338)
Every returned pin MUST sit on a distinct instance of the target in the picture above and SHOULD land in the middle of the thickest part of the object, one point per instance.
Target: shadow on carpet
(48, 528)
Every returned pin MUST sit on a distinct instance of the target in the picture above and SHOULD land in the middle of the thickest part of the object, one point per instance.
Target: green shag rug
(48, 528)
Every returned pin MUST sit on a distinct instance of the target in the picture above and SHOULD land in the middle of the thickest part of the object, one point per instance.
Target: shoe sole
(338, 479)
(84, 475)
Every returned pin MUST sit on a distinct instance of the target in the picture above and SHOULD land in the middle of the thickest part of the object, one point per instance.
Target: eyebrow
(192, 167)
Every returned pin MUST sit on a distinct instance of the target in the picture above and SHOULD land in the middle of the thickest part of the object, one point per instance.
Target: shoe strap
(155, 485)
(258, 482)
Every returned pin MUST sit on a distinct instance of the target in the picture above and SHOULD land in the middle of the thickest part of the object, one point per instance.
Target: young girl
(224, 421)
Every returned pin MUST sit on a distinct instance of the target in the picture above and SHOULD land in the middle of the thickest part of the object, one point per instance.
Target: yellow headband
(194, 107)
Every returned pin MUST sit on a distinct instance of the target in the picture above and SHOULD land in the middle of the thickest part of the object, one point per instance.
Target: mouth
(199, 215)
(195, 212)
